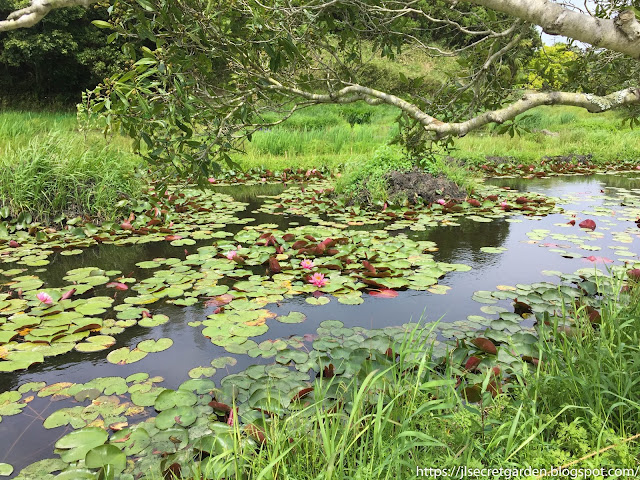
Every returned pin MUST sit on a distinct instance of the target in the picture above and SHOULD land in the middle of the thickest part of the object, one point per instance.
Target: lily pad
(293, 317)
(124, 356)
(150, 346)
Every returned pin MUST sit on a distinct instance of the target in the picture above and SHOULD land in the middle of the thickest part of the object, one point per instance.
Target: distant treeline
(50, 64)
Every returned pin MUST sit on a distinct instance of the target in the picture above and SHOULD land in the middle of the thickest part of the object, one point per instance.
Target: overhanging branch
(29, 16)
(354, 93)
(621, 34)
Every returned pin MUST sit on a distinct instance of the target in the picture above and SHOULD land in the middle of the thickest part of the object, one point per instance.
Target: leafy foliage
(207, 76)
(56, 59)
(551, 67)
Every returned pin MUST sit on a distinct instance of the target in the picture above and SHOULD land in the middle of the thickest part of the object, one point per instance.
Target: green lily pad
(183, 416)
(175, 398)
(493, 249)
(154, 321)
(323, 300)
(293, 317)
(151, 346)
(75, 445)
(96, 343)
(131, 440)
(103, 455)
(198, 372)
(350, 299)
(5, 469)
(124, 356)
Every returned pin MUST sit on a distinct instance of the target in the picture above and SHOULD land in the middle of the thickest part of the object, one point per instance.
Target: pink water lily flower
(231, 254)
(318, 280)
(306, 264)
(441, 201)
(45, 298)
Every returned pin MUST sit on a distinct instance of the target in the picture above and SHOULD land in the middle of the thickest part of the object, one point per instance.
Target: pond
(234, 268)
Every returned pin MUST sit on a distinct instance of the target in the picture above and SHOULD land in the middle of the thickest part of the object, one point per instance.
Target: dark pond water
(24, 440)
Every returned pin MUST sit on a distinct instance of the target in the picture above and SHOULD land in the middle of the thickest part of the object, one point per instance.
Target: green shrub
(365, 181)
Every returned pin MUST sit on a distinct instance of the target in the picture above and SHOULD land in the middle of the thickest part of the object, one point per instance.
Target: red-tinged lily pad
(634, 274)
(118, 286)
(472, 363)
(595, 259)
(386, 293)
(485, 345)
(256, 432)
(532, 360)
(302, 393)
(219, 301)
(274, 266)
(588, 224)
(472, 394)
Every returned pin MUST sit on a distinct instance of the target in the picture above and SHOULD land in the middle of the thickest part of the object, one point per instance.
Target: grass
(321, 136)
(47, 168)
(578, 409)
(575, 131)
(45, 153)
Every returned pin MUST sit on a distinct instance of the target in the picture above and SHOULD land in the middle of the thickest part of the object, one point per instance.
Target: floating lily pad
(5, 469)
(322, 300)
(75, 445)
(150, 346)
(96, 343)
(293, 317)
(124, 356)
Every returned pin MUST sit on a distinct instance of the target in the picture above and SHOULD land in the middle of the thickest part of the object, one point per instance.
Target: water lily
(504, 204)
(211, 180)
(318, 280)
(306, 264)
(441, 201)
(44, 298)
(231, 254)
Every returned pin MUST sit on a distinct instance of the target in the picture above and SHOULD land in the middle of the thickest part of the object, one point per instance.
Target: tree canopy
(203, 74)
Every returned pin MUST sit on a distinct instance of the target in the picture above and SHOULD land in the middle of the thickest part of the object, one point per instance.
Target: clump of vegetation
(47, 169)
(366, 182)
(390, 176)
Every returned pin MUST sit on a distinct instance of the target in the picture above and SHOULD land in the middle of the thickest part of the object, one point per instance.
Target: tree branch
(354, 93)
(621, 34)
(29, 16)
(592, 103)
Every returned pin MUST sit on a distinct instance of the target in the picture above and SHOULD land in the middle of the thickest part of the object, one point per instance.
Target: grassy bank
(49, 168)
(579, 407)
(556, 131)
(322, 136)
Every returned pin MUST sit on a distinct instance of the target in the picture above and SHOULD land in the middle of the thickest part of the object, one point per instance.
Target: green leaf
(102, 24)
(103, 455)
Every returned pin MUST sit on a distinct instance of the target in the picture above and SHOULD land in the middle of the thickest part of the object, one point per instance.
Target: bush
(365, 182)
